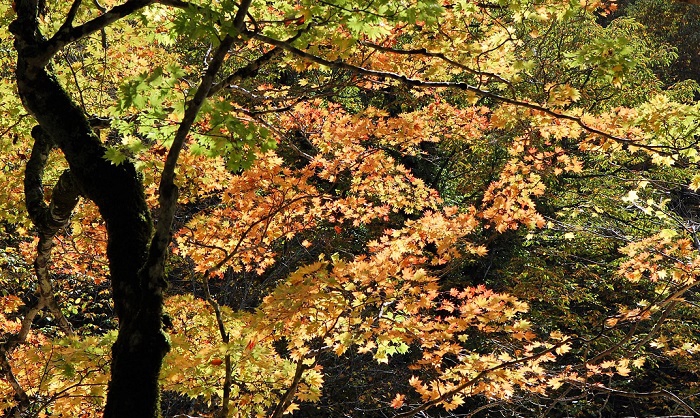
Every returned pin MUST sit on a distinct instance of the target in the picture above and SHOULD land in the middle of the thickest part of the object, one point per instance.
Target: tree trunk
(118, 193)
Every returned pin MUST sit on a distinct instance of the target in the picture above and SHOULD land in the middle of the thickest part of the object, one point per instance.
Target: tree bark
(118, 193)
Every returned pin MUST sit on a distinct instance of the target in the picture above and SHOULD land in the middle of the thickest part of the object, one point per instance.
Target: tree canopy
(341, 208)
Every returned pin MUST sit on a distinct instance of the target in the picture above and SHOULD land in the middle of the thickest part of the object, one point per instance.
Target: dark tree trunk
(118, 193)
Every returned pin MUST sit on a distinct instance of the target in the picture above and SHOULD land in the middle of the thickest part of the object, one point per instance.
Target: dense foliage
(341, 208)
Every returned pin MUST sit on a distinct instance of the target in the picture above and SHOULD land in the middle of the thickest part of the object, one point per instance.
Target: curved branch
(414, 82)
(424, 52)
(33, 184)
(48, 219)
(646, 395)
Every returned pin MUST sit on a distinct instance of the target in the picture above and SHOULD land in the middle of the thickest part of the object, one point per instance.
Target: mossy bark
(118, 193)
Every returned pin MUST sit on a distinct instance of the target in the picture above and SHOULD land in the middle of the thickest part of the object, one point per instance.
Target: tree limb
(70, 17)
(239, 19)
(68, 34)
(48, 219)
(288, 396)
(168, 192)
(23, 401)
(424, 52)
(245, 72)
(414, 82)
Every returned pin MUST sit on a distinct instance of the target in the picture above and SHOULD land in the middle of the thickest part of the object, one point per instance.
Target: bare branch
(645, 395)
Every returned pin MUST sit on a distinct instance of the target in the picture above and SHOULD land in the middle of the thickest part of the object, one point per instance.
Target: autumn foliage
(398, 208)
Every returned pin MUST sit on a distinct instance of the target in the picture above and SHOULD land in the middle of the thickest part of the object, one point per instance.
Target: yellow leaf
(631, 197)
(668, 233)
(607, 364)
(291, 408)
(456, 401)
(555, 382)
(623, 370)
(563, 349)
(695, 183)
(556, 335)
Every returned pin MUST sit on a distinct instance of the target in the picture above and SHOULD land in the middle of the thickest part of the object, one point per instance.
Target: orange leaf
(397, 402)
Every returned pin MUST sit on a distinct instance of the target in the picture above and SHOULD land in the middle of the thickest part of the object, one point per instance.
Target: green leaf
(114, 155)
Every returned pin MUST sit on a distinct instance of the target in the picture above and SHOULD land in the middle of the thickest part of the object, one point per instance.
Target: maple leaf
(563, 349)
(291, 408)
(398, 401)
(695, 183)
(622, 368)
(282, 149)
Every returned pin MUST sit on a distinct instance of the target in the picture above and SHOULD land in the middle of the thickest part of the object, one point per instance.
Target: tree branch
(245, 72)
(47, 219)
(70, 17)
(288, 396)
(223, 413)
(414, 82)
(424, 52)
(239, 20)
(68, 33)
(645, 395)
(478, 377)
(168, 192)
(23, 402)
